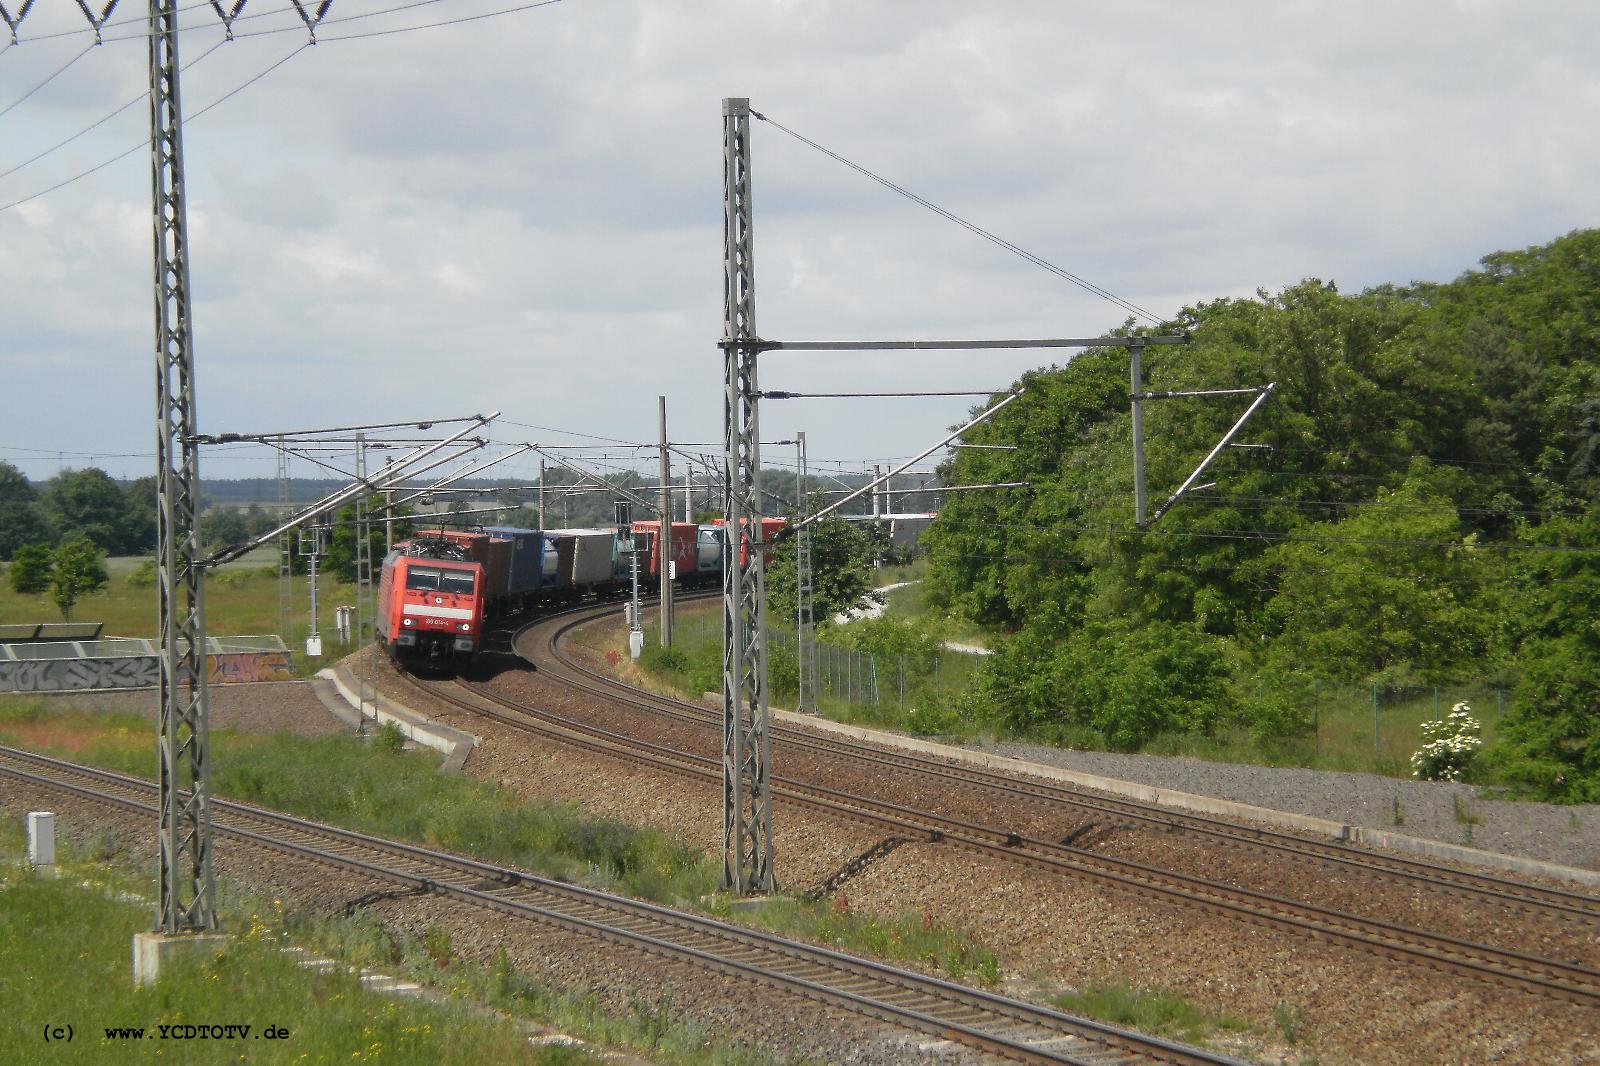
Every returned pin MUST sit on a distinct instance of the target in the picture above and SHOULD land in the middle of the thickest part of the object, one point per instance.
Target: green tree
(842, 557)
(1550, 743)
(80, 568)
(223, 527)
(30, 568)
(21, 521)
(1394, 589)
(138, 516)
(341, 560)
(88, 502)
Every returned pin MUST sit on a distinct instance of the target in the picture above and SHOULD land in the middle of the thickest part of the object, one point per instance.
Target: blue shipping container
(527, 557)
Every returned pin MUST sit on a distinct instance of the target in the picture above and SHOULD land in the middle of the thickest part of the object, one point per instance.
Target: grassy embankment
(388, 793)
(64, 961)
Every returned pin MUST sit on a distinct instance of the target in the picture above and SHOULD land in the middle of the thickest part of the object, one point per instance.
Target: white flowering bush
(1449, 746)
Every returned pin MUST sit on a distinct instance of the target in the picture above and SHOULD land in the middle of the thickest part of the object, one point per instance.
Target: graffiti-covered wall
(248, 666)
(135, 671)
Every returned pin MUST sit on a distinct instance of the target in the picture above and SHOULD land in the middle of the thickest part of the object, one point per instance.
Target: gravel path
(1453, 813)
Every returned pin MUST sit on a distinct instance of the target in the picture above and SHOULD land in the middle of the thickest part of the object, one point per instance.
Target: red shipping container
(685, 550)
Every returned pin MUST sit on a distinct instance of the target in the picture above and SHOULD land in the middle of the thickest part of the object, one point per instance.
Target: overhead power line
(778, 395)
(59, 71)
(971, 227)
(143, 97)
(249, 82)
(1272, 537)
(230, 94)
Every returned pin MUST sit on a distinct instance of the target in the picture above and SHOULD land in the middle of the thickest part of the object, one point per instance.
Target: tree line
(1421, 504)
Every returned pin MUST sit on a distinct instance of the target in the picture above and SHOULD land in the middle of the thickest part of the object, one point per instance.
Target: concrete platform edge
(454, 743)
(1351, 834)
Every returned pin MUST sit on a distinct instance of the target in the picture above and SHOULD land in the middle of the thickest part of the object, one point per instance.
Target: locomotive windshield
(432, 579)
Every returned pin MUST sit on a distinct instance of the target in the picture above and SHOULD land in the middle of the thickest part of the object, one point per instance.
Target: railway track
(1549, 977)
(543, 649)
(906, 1000)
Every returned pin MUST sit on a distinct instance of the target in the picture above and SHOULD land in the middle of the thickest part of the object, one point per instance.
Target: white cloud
(525, 212)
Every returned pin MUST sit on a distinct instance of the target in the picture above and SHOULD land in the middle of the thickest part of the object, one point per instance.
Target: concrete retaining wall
(418, 727)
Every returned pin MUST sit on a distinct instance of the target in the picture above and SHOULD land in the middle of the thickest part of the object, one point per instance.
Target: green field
(239, 599)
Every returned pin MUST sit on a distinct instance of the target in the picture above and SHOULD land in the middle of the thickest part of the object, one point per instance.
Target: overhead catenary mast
(746, 759)
(187, 890)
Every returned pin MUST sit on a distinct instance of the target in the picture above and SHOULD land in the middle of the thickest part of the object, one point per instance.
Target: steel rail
(1533, 898)
(1550, 977)
(901, 997)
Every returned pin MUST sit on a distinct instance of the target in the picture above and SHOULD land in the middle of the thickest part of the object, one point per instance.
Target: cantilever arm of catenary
(908, 464)
(1221, 444)
(393, 475)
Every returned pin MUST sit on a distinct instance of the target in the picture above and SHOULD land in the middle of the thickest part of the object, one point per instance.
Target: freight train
(439, 588)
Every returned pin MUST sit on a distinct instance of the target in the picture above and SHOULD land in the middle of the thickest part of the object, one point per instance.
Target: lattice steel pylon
(805, 641)
(187, 891)
(746, 753)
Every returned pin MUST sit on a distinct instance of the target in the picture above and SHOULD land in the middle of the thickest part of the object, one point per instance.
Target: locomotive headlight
(465, 626)
(407, 621)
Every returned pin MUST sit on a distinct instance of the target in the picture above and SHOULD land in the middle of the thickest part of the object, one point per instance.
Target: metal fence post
(1316, 715)
(1377, 746)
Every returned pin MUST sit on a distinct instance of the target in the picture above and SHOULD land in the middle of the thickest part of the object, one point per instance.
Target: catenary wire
(1431, 579)
(1001, 242)
(347, 37)
(1272, 537)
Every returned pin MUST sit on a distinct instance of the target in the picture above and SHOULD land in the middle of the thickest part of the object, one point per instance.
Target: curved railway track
(1548, 977)
(552, 662)
(1551, 977)
(896, 997)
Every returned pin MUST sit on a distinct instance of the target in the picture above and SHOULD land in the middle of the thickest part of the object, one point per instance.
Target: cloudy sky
(523, 212)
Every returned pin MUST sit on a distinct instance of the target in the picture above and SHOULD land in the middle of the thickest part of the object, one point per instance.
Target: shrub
(31, 566)
(1549, 746)
(389, 737)
(1450, 743)
(143, 576)
(1125, 684)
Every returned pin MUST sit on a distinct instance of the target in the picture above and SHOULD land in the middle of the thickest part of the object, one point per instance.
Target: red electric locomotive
(430, 602)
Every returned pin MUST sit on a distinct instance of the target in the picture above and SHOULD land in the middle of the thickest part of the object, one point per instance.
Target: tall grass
(1154, 1011)
(339, 780)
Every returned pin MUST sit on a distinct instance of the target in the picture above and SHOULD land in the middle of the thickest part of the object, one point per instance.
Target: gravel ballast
(1433, 810)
